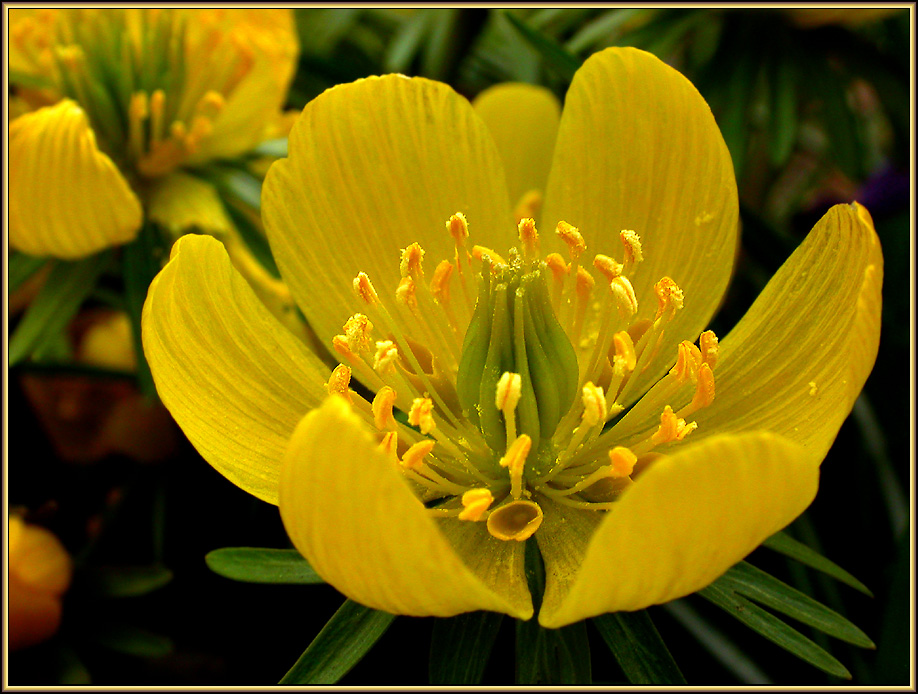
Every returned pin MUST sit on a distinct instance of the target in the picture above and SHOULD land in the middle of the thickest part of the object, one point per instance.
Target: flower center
(508, 399)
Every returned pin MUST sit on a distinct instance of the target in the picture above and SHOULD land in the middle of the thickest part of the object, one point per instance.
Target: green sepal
(783, 543)
(773, 629)
(638, 648)
(131, 640)
(558, 58)
(343, 641)
(47, 317)
(261, 565)
(126, 581)
(460, 647)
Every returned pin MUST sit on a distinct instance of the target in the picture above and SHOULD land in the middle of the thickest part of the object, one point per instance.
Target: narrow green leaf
(21, 268)
(782, 131)
(846, 143)
(774, 629)
(46, 318)
(638, 648)
(24, 79)
(126, 581)
(556, 56)
(601, 29)
(460, 647)
(142, 259)
(407, 42)
(753, 583)
(783, 543)
(132, 640)
(236, 183)
(343, 641)
(261, 565)
(549, 656)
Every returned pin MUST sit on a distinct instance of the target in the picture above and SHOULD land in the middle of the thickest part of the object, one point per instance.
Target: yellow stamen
(439, 285)
(572, 237)
(704, 391)
(607, 267)
(364, 289)
(514, 461)
(559, 269)
(529, 238)
(157, 115)
(386, 356)
(687, 363)
(633, 252)
(672, 428)
(583, 287)
(339, 382)
(709, 348)
(517, 520)
(357, 331)
(458, 228)
(509, 390)
(624, 296)
(669, 297)
(382, 408)
(389, 446)
(621, 462)
(529, 205)
(412, 258)
(594, 405)
(479, 252)
(421, 415)
(624, 350)
(405, 294)
(476, 502)
(414, 456)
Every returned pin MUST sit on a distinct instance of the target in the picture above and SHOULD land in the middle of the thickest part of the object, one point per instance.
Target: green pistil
(514, 329)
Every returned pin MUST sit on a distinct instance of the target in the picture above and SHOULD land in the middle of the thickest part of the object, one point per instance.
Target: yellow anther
(607, 267)
(339, 382)
(339, 342)
(476, 502)
(704, 391)
(458, 228)
(709, 348)
(687, 362)
(625, 299)
(210, 104)
(412, 258)
(633, 253)
(558, 267)
(672, 428)
(139, 107)
(439, 285)
(382, 408)
(669, 298)
(529, 205)
(386, 356)
(529, 238)
(585, 284)
(405, 293)
(479, 252)
(594, 404)
(572, 237)
(364, 289)
(157, 112)
(178, 131)
(414, 456)
(517, 520)
(357, 332)
(625, 355)
(621, 462)
(421, 415)
(509, 389)
(389, 446)
(514, 460)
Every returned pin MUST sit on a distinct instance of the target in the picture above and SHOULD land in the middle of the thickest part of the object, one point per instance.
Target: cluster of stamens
(502, 411)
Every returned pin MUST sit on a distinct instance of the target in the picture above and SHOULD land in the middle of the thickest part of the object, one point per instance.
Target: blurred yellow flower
(115, 103)
(547, 393)
(39, 575)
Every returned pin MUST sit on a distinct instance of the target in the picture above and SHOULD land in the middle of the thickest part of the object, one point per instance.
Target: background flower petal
(373, 167)
(523, 119)
(639, 149)
(181, 202)
(67, 199)
(232, 376)
(686, 520)
(349, 512)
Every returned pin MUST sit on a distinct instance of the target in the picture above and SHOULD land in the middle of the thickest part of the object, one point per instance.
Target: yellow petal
(798, 359)
(374, 166)
(234, 378)
(639, 149)
(350, 513)
(67, 199)
(523, 119)
(685, 521)
(181, 203)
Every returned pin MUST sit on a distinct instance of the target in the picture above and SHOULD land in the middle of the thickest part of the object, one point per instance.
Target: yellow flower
(118, 103)
(39, 575)
(551, 381)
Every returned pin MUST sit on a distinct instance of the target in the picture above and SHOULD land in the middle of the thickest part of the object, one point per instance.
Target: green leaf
(638, 648)
(142, 260)
(126, 581)
(22, 267)
(407, 43)
(765, 589)
(564, 63)
(846, 145)
(549, 656)
(261, 565)
(773, 629)
(46, 318)
(601, 29)
(782, 130)
(343, 641)
(132, 640)
(783, 543)
(460, 647)
(24, 79)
